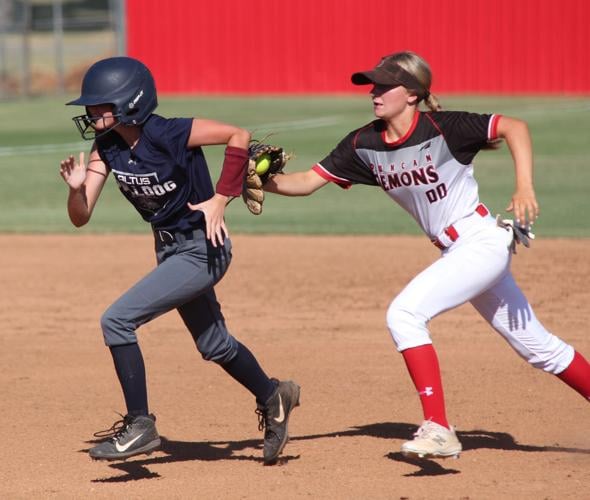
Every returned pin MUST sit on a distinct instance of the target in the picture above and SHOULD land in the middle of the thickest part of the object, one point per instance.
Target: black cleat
(273, 418)
(129, 437)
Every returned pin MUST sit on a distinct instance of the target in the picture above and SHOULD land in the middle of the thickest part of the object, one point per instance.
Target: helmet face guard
(85, 125)
(124, 83)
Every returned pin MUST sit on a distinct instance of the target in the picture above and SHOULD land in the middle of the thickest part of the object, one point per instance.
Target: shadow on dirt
(181, 451)
(471, 440)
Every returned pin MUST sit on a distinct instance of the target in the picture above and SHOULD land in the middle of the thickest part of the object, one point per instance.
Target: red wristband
(232, 172)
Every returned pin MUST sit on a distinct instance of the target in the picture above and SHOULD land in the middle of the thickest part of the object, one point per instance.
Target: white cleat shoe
(432, 440)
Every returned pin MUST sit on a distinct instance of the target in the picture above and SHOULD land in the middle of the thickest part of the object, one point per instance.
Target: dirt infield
(525, 434)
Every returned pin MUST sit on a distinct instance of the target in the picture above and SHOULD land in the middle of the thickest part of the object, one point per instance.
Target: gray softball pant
(188, 269)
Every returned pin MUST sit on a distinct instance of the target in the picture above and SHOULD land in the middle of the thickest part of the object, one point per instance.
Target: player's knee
(220, 349)
(116, 329)
(408, 328)
(552, 360)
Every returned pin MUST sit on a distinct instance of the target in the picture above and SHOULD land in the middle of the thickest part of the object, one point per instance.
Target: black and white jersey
(429, 171)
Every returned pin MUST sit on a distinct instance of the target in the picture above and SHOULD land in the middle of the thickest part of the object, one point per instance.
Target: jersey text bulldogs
(143, 184)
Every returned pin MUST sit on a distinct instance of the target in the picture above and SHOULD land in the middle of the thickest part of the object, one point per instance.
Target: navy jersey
(428, 171)
(160, 175)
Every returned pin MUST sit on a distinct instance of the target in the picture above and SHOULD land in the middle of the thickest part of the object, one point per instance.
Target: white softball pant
(476, 268)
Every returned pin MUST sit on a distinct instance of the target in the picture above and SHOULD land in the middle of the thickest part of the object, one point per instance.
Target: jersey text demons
(428, 171)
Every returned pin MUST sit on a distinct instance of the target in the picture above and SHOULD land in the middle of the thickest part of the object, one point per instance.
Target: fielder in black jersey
(160, 167)
(423, 161)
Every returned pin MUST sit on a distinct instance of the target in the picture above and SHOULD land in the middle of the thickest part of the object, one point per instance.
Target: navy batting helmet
(125, 83)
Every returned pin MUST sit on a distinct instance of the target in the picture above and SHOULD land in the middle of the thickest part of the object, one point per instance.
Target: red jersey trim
(322, 172)
(434, 124)
(493, 127)
(405, 137)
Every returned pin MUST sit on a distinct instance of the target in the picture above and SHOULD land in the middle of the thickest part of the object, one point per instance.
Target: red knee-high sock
(577, 375)
(422, 363)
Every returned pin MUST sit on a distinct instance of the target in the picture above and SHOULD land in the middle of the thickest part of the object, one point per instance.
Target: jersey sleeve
(101, 156)
(466, 133)
(344, 167)
(171, 134)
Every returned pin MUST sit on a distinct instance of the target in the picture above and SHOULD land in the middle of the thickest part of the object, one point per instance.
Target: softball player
(423, 161)
(159, 166)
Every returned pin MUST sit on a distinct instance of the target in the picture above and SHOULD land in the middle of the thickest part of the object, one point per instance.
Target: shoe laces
(262, 414)
(263, 424)
(262, 410)
(117, 429)
(425, 430)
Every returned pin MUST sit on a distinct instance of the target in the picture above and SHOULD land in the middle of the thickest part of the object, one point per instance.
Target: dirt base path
(525, 434)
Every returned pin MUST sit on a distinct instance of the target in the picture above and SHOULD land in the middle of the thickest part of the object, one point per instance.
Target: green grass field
(36, 134)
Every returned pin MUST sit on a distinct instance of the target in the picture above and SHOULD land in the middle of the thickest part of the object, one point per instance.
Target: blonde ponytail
(432, 103)
(420, 70)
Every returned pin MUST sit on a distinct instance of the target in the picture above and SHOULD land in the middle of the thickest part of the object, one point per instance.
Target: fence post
(4, 12)
(26, 47)
(118, 22)
(58, 36)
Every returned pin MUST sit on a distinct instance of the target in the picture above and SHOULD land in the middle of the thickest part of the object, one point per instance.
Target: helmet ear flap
(142, 99)
(132, 112)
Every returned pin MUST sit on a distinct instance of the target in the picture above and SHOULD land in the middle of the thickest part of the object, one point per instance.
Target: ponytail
(432, 103)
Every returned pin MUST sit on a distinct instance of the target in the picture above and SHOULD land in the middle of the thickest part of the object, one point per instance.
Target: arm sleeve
(344, 167)
(232, 171)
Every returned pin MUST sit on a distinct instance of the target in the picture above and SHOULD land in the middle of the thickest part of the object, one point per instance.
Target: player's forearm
(517, 137)
(78, 209)
(521, 150)
(239, 139)
(295, 184)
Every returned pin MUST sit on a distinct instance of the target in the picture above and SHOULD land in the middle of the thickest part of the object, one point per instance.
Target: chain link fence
(47, 45)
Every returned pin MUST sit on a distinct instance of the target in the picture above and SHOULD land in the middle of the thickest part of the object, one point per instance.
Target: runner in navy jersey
(159, 166)
(423, 161)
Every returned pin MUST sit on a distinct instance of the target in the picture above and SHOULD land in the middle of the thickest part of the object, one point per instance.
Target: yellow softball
(263, 164)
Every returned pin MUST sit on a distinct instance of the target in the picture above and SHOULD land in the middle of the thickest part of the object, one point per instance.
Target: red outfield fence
(313, 46)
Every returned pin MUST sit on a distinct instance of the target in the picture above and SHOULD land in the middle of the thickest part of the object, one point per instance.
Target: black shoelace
(262, 417)
(116, 430)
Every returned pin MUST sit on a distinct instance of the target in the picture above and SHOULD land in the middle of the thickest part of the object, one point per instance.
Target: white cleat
(432, 440)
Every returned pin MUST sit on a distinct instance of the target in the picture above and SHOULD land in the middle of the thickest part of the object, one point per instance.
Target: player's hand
(525, 207)
(74, 174)
(214, 210)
